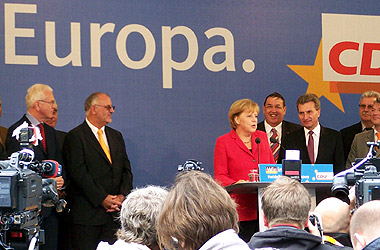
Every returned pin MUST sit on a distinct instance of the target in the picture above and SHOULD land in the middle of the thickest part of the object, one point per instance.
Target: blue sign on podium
(309, 172)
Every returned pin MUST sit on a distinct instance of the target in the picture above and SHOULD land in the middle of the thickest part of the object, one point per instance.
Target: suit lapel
(320, 146)
(90, 137)
(240, 143)
(40, 146)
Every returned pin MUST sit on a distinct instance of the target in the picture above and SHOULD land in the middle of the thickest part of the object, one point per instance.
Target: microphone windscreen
(257, 140)
(273, 140)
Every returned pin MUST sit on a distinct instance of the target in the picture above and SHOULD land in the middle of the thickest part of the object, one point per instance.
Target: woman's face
(246, 121)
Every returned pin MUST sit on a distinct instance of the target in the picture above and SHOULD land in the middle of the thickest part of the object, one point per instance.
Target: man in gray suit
(359, 148)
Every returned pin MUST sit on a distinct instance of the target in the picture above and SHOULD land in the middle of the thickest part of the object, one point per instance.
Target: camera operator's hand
(60, 182)
(111, 203)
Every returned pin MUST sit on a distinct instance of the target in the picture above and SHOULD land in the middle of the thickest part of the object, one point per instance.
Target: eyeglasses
(278, 107)
(48, 102)
(363, 106)
(108, 107)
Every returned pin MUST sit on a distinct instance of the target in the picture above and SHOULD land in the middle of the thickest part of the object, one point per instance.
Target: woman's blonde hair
(196, 209)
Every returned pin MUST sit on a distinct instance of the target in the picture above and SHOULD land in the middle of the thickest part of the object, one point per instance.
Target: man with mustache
(366, 102)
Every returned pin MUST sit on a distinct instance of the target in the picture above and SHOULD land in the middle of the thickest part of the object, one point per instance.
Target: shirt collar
(316, 130)
(32, 119)
(93, 128)
(268, 128)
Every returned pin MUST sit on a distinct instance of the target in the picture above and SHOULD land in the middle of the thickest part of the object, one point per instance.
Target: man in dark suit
(99, 175)
(274, 110)
(52, 122)
(365, 106)
(39, 103)
(317, 144)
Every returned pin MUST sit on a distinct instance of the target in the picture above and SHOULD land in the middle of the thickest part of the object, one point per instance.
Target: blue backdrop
(163, 127)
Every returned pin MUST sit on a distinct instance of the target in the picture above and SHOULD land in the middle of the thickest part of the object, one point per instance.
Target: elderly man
(336, 217)
(364, 228)
(365, 106)
(274, 125)
(40, 106)
(99, 175)
(359, 148)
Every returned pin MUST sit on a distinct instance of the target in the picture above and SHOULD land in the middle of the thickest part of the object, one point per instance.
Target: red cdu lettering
(335, 53)
(366, 68)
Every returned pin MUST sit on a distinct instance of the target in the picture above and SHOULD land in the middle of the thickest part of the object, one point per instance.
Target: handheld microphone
(257, 141)
(48, 168)
(51, 169)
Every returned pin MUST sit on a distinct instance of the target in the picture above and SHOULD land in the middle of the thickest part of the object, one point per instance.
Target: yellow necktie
(378, 136)
(103, 145)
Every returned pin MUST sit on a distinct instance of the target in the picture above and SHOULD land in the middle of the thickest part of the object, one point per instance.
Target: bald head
(335, 215)
(365, 224)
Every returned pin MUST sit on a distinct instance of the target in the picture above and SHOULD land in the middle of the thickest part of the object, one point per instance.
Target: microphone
(274, 140)
(48, 168)
(257, 141)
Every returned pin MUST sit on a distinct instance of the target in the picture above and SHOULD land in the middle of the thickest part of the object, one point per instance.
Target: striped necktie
(275, 147)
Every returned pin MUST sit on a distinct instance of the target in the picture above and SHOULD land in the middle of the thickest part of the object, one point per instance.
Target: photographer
(40, 106)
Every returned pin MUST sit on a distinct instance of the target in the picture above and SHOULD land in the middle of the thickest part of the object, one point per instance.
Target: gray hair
(139, 213)
(369, 93)
(36, 92)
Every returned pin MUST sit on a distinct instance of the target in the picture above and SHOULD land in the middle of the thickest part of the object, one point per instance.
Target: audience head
(196, 209)
(239, 107)
(139, 213)
(99, 109)
(309, 110)
(366, 102)
(335, 215)
(274, 109)
(365, 224)
(285, 201)
(52, 122)
(375, 114)
(40, 101)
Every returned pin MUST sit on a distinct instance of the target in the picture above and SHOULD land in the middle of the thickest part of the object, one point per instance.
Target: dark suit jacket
(61, 137)
(287, 128)
(52, 145)
(348, 135)
(91, 176)
(330, 149)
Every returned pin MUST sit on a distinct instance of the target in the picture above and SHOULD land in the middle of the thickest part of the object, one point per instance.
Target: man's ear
(265, 221)
(360, 241)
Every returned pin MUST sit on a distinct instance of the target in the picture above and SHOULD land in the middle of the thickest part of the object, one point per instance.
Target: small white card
(292, 155)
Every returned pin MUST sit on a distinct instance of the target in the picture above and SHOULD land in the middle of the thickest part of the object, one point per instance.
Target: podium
(256, 187)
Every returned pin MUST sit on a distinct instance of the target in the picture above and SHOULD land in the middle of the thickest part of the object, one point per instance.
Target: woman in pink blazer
(236, 154)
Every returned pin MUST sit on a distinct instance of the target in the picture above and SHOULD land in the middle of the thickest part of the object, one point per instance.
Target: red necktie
(42, 131)
(275, 146)
(310, 147)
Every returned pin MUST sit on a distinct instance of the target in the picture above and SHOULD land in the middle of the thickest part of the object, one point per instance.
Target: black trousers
(84, 237)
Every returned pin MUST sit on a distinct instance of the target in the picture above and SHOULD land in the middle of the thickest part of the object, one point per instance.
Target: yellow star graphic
(313, 75)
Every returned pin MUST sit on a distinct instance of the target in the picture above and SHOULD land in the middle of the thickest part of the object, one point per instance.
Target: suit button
(254, 160)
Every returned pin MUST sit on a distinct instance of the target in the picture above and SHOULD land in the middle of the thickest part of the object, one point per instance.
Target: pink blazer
(233, 161)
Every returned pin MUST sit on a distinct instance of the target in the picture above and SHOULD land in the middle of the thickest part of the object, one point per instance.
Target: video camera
(23, 192)
(364, 175)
